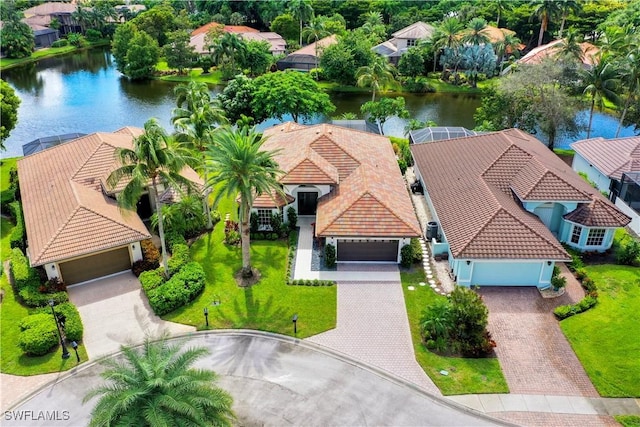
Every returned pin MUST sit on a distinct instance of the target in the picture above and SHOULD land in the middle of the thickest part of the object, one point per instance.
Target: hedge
(17, 238)
(293, 245)
(182, 288)
(27, 283)
(179, 257)
(38, 334)
(312, 282)
(73, 328)
(151, 279)
(173, 238)
(564, 311)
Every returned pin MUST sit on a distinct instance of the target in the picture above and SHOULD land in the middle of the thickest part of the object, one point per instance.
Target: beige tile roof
(66, 213)
(418, 30)
(612, 157)
(310, 49)
(49, 8)
(371, 198)
(598, 214)
(549, 50)
(273, 200)
(474, 184)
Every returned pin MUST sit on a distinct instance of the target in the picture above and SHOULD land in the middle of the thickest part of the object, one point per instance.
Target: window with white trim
(595, 237)
(412, 42)
(575, 234)
(264, 218)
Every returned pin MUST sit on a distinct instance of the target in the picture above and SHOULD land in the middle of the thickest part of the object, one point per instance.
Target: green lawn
(6, 63)
(269, 305)
(193, 74)
(628, 420)
(605, 338)
(465, 375)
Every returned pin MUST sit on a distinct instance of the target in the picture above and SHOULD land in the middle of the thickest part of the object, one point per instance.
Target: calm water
(85, 93)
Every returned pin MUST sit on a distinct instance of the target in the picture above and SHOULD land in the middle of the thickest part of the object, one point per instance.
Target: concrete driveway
(275, 381)
(114, 312)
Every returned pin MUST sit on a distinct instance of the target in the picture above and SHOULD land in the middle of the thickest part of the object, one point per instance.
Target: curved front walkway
(275, 381)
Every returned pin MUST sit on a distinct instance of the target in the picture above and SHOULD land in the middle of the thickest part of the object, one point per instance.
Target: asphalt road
(274, 381)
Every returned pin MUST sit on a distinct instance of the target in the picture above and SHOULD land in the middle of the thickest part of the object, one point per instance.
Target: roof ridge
(86, 160)
(308, 159)
(508, 150)
(472, 238)
(333, 141)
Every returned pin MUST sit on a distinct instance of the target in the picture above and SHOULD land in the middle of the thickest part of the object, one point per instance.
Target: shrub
(182, 288)
(27, 283)
(38, 334)
(406, 256)
(17, 237)
(60, 43)
(179, 258)
(52, 285)
(231, 232)
(151, 279)
(580, 274)
(576, 259)
(254, 222)
(402, 164)
(93, 35)
(276, 223)
(628, 253)
(417, 250)
(70, 317)
(292, 217)
(558, 282)
(315, 282)
(77, 40)
(330, 255)
(589, 284)
(149, 252)
(417, 85)
(564, 311)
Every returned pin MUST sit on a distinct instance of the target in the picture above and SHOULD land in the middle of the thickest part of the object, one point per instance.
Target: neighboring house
(613, 165)
(44, 13)
(503, 203)
(75, 229)
(589, 55)
(305, 59)
(277, 45)
(350, 182)
(42, 35)
(437, 133)
(403, 39)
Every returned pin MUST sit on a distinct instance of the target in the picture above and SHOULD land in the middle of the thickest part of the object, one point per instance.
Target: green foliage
(282, 93)
(9, 103)
(311, 282)
(185, 217)
(330, 255)
(73, 328)
(178, 52)
(158, 22)
(27, 282)
(142, 56)
(459, 325)
(151, 279)
(412, 63)
(291, 255)
(628, 252)
(292, 217)
(406, 256)
(38, 334)
(341, 60)
(173, 238)
(384, 109)
(60, 43)
(565, 311)
(18, 236)
(417, 85)
(258, 57)
(77, 40)
(93, 35)
(628, 420)
(276, 223)
(254, 223)
(120, 45)
(179, 258)
(558, 282)
(286, 26)
(416, 250)
(178, 291)
(236, 100)
(17, 39)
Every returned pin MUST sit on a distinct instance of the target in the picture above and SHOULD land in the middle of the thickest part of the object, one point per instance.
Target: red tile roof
(477, 183)
(273, 200)
(371, 198)
(612, 157)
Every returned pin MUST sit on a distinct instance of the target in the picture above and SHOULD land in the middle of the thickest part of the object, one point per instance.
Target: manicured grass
(5, 167)
(605, 338)
(465, 375)
(628, 420)
(563, 152)
(438, 84)
(268, 305)
(195, 74)
(6, 63)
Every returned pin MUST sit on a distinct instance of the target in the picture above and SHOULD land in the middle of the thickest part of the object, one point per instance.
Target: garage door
(94, 266)
(506, 274)
(368, 251)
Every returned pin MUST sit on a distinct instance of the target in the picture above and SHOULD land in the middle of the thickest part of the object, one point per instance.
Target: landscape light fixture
(295, 324)
(75, 347)
(206, 316)
(65, 352)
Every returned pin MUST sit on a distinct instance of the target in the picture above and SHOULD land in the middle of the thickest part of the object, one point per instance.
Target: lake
(84, 92)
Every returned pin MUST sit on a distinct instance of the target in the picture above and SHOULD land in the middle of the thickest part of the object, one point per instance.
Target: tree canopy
(9, 103)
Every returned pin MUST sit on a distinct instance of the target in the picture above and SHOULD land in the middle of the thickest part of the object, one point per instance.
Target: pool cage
(48, 142)
(629, 190)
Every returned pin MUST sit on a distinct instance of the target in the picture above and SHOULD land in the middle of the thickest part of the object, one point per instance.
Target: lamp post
(295, 324)
(75, 347)
(65, 352)
(206, 316)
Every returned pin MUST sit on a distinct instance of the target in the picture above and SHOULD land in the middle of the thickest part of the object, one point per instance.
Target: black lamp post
(65, 352)
(206, 316)
(75, 347)
(295, 324)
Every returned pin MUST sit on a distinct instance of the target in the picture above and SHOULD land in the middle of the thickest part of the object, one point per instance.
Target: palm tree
(566, 7)
(501, 6)
(600, 83)
(158, 386)
(238, 165)
(545, 11)
(314, 31)
(302, 10)
(630, 70)
(378, 75)
(195, 116)
(570, 46)
(447, 35)
(475, 32)
(154, 159)
(510, 44)
(227, 49)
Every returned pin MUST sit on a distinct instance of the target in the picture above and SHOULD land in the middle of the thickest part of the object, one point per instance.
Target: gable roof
(66, 212)
(370, 198)
(549, 50)
(226, 28)
(417, 30)
(50, 8)
(598, 214)
(310, 49)
(612, 157)
(477, 185)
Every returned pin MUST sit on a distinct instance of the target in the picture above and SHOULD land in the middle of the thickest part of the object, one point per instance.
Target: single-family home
(43, 14)
(588, 56)
(349, 182)
(74, 227)
(277, 45)
(403, 39)
(503, 204)
(613, 165)
(308, 57)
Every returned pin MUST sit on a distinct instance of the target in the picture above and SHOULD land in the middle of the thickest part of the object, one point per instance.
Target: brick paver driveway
(535, 356)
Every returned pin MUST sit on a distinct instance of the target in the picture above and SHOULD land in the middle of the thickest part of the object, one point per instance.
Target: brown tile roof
(226, 28)
(474, 184)
(273, 200)
(549, 50)
(612, 157)
(598, 214)
(310, 49)
(50, 8)
(371, 198)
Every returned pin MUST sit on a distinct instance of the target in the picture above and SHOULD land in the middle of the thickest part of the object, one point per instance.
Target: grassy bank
(49, 52)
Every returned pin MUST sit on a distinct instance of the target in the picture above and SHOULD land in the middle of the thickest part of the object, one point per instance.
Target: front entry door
(307, 203)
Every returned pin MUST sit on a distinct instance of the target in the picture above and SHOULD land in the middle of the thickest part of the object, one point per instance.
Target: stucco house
(277, 45)
(504, 204)
(74, 227)
(403, 39)
(307, 57)
(349, 181)
(43, 14)
(613, 165)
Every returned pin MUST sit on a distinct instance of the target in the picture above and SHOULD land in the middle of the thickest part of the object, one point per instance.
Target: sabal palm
(314, 31)
(227, 49)
(301, 10)
(545, 11)
(600, 83)
(508, 45)
(195, 116)
(153, 160)
(475, 33)
(377, 75)
(630, 73)
(447, 35)
(570, 46)
(158, 386)
(239, 166)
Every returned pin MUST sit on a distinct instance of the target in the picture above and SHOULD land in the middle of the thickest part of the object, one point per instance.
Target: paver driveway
(534, 355)
(114, 312)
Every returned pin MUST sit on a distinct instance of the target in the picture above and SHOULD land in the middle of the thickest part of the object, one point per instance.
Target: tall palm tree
(154, 159)
(630, 71)
(158, 386)
(377, 75)
(227, 49)
(600, 83)
(501, 7)
(314, 31)
(570, 46)
(238, 165)
(545, 11)
(302, 10)
(195, 116)
(566, 7)
(509, 45)
(447, 35)
(475, 33)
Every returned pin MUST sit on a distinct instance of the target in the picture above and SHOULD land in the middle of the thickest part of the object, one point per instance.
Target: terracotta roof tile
(274, 200)
(612, 157)
(599, 213)
(536, 182)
